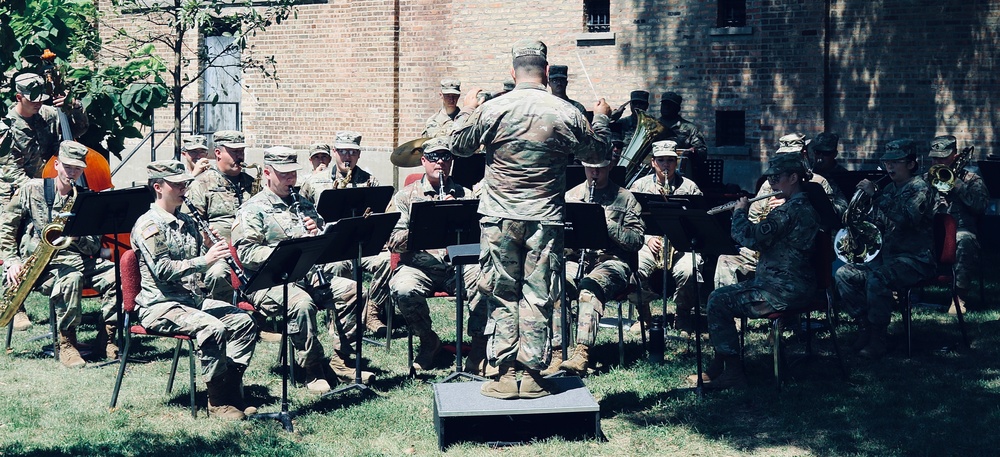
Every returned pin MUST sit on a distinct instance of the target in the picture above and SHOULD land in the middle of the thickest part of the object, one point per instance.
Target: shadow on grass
(942, 401)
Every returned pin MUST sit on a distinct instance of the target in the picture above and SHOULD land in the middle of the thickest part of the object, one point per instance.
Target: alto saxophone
(258, 184)
(665, 256)
(343, 182)
(51, 242)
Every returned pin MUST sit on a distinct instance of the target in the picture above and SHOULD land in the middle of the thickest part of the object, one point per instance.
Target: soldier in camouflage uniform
(967, 203)
(193, 154)
(440, 123)
(420, 273)
(217, 194)
(625, 126)
(277, 214)
(654, 255)
(34, 135)
(347, 151)
(787, 280)
(558, 80)
(903, 212)
(72, 269)
(607, 271)
(690, 141)
(824, 152)
(320, 179)
(528, 135)
(169, 248)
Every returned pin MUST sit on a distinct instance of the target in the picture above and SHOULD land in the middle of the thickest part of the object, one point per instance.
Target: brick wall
(918, 68)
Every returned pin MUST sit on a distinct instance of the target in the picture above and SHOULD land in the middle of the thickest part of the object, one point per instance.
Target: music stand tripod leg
(358, 335)
(459, 303)
(284, 416)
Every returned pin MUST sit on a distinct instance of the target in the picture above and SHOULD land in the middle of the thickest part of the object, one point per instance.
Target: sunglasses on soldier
(436, 156)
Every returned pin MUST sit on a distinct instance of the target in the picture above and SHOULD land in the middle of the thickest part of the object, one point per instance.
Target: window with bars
(732, 13)
(597, 15)
(730, 128)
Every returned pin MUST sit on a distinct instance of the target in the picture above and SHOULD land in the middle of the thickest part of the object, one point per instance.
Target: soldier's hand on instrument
(310, 225)
(472, 100)
(655, 243)
(201, 165)
(321, 167)
(602, 107)
(218, 251)
(742, 203)
(867, 186)
(59, 101)
(12, 271)
(775, 202)
(617, 113)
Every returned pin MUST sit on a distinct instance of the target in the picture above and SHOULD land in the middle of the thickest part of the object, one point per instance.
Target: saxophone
(343, 182)
(665, 256)
(51, 242)
(258, 183)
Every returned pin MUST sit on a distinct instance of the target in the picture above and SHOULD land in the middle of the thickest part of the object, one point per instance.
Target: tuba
(51, 242)
(860, 240)
(942, 177)
(634, 156)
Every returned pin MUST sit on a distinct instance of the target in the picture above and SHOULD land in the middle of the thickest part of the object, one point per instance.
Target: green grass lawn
(940, 402)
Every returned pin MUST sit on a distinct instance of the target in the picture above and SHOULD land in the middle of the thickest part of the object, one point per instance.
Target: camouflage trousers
(866, 290)
(410, 286)
(64, 284)
(604, 282)
(378, 266)
(732, 268)
(683, 271)
(523, 259)
(727, 303)
(966, 259)
(218, 282)
(223, 334)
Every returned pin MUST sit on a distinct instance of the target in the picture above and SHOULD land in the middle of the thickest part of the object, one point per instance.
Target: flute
(731, 205)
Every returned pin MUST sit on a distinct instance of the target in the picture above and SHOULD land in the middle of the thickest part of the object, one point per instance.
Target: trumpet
(233, 265)
(731, 205)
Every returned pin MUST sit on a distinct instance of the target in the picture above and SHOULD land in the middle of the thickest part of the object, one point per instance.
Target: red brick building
(749, 71)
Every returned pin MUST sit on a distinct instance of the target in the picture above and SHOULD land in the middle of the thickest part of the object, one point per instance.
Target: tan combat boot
(534, 385)
(373, 319)
(345, 372)
(506, 387)
(555, 362)
(219, 400)
(68, 355)
(108, 336)
(316, 379)
(877, 346)
(475, 363)
(21, 321)
(234, 384)
(712, 371)
(732, 376)
(578, 363)
(430, 344)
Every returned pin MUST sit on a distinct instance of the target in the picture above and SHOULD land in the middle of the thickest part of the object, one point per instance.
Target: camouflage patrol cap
(231, 139)
(558, 71)
(508, 85)
(347, 140)
(943, 146)
(194, 142)
(672, 97)
(319, 148)
(793, 142)
(441, 143)
(169, 170)
(825, 143)
(617, 138)
(665, 148)
(282, 159)
(32, 86)
(639, 96)
(788, 162)
(73, 153)
(899, 149)
(529, 47)
(600, 164)
(451, 86)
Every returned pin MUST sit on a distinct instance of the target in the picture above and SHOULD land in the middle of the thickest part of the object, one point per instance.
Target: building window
(730, 128)
(732, 13)
(597, 15)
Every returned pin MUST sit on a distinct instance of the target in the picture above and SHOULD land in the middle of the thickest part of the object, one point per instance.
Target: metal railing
(600, 22)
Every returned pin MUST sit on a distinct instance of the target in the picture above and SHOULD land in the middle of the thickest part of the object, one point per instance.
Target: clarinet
(322, 294)
(233, 265)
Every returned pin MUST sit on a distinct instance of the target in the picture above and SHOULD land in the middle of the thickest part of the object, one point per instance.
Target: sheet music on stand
(337, 204)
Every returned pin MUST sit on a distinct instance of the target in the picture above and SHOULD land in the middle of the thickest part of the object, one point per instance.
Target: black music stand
(690, 229)
(585, 227)
(468, 171)
(438, 224)
(102, 213)
(354, 238)
(290, 261)
(336, 204)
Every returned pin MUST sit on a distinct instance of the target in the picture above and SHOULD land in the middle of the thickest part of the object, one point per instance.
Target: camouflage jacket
(621, 213)
(28, 205)
(264, 220)
(687, 135)
(218, 197)
(418, 191)
(170, 262)
(784, 240)
(758, 209)
(35, 139)
(905, 215)
(578, 105)
(680, 185)
(966, 204)
(529, 135)
(316, 183)
(439, 124)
